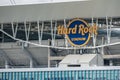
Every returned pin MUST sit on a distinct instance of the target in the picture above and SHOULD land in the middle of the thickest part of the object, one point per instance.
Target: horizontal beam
(111, 56)
(57, 57)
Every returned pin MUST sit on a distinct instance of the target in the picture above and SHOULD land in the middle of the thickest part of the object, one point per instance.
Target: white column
(31, 63)
(66, 42)
(94, 38)
(6, 64)
(102, 47)
(52, 33)
(38, 32)
(74, 50)
(108, 31)
(111, 62)
(49, 53)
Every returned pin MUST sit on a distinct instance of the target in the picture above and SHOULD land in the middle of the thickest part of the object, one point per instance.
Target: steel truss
(53, 29)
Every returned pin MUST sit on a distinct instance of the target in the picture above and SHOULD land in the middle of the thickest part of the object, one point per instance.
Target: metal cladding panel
(44, 11)
(49, 11)
(61, 75)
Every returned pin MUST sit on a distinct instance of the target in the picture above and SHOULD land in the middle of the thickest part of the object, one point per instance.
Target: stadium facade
(29, 41)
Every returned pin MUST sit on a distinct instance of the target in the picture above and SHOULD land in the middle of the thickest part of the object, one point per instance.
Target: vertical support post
(41, 32)
(6, 64)
(66, 42)
(28, 31)
(2, 33)
(16, 30)
(31, 63)
(110, 62)
(110, 29)
(81, 51)
(49, 43)
(108, 38)
(12, 24)
(52, 32)
(94, 39)
(96, 24)
(38, 25)
(74, 50)
(102, 44)
(2, 26)
(56, 64)
(25, 29)
(55, 28)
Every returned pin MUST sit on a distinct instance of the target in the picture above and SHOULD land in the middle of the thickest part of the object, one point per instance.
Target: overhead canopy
(25, 2)
(64, 10)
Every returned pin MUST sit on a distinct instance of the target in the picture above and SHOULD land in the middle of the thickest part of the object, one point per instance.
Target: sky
(22, 2)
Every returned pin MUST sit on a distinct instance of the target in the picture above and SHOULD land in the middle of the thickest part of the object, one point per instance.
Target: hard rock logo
(78, 32)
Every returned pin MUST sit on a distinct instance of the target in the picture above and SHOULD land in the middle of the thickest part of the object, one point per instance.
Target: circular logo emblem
(78, 30)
